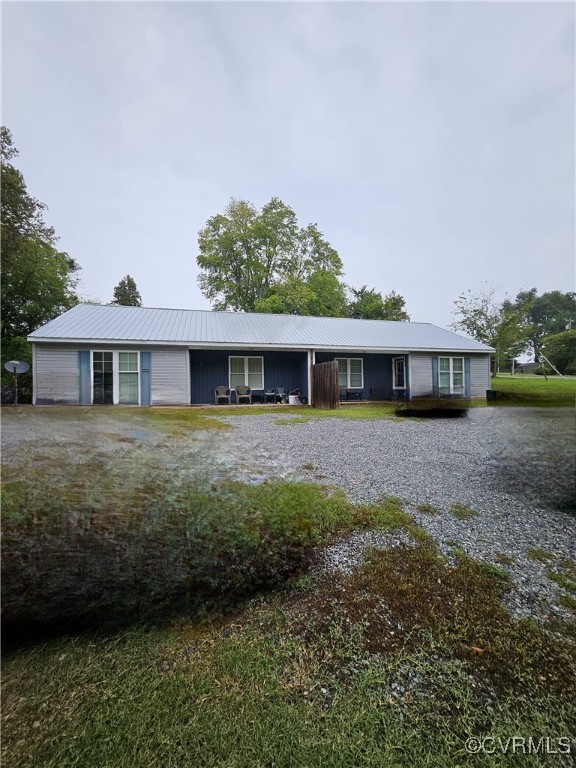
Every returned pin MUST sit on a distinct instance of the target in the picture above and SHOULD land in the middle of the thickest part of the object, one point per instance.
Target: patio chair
(269, 396)
(222, 393)
(243, 393)
(281, 394)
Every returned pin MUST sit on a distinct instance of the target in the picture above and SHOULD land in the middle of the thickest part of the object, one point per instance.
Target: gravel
(515, 468)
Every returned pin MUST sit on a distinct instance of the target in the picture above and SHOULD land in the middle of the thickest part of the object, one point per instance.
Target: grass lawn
(318, 675)
(370, 411)
(522, 389)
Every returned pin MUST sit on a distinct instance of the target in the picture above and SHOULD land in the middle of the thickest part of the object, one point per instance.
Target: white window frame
(348, 359)
(395, 384)
(116, 374)
(245, 358)
(461, 389)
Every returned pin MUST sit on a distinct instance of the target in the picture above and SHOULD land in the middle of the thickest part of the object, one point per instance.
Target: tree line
(543, 326)
(254, 260)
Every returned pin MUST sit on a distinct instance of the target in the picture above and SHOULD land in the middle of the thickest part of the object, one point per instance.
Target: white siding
(56, 375)
(170, 369)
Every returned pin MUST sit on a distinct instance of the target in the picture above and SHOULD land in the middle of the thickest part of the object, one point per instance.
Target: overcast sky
(432, 143)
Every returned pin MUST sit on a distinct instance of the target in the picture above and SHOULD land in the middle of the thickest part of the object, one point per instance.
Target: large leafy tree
(498, 324)
(126, 293)
(546, 315)
(560, 349)
(368, 304)
(263, 261)
(38, 280)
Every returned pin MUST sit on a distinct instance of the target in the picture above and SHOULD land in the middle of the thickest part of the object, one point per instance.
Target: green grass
(534, 391)
(96, 551)
(565, 576)
(322, 675)
(301, 413)
(462, 512)
(428, 509)
(535, 553)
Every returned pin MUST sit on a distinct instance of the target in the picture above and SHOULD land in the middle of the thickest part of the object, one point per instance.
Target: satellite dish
(16, 366)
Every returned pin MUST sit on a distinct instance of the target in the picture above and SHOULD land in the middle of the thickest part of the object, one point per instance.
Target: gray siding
(421, 374)
(479, 375)
(170, 376)
(56, 375)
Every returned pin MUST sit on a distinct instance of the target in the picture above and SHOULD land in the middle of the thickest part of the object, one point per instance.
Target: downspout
(33, 373)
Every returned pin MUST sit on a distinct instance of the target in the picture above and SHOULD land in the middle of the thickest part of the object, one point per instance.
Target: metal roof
(116, 324)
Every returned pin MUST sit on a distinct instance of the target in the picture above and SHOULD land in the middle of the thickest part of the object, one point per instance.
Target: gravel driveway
(515, 467)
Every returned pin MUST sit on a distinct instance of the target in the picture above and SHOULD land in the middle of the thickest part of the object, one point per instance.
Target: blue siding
(209, 369)
(85, 381)
(145, 381)
(435, 377)
(378, 382)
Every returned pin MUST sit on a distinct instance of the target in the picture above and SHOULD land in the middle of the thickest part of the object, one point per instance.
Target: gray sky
(432, 143)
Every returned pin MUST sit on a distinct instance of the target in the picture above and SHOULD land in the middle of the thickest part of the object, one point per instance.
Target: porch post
(311, 362)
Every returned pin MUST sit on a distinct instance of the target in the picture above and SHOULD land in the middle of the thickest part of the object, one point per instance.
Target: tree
(560, 349)
(368, 304)
(546, 315)
(38, 280)
(263, 261)
(499, 325)
(126, 293)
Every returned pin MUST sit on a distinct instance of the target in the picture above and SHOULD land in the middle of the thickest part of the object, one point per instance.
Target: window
(102, 378)
(128, 378)
(115, 378)
(246, 371)
(350, 372)
(399, 373)
(451, 375)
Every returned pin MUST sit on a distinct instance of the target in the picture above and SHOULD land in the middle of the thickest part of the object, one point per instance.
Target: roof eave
(258, 345)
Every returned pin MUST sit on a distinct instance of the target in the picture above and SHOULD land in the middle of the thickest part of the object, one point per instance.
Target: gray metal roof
(114, 324)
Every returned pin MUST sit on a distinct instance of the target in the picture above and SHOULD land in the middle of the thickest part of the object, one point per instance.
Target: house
(96, 354)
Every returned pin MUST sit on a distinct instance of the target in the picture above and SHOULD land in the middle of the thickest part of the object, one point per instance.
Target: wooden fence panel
(325, 385)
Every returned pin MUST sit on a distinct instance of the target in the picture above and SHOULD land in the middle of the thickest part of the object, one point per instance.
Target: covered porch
(361, 377)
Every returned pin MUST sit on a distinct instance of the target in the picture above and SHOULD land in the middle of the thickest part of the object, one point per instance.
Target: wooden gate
(325, 385)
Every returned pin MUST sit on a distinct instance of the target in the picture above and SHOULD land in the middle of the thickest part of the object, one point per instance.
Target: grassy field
(269, 664)
(536, 391)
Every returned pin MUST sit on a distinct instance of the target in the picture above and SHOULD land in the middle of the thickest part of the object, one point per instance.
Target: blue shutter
(435, 380)
(145, 378)
(467, 377)
(85, 393)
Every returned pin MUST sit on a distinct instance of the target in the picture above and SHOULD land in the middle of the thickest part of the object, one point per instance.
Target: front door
(102, 378)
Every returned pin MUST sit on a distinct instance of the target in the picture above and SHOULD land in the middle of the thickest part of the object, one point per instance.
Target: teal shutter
(435, 379)
(85, 393)
(467, 377)
(145, 378)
